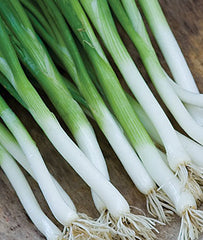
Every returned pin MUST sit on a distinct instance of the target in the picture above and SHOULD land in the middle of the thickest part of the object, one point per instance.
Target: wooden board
(186, 20)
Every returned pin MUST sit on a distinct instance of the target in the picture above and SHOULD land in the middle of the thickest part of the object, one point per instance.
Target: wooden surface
(186, 20)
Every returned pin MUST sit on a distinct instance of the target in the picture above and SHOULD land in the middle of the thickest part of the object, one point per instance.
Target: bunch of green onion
(51, 38)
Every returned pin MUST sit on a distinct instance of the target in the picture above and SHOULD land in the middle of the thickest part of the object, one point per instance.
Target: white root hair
(130, 226)
(191, 177)
(85, 228)
(193, 186)
(196, 172)
(159, 205)
(191, 224)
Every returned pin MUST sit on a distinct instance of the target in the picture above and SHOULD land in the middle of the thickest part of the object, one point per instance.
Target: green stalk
(59, 48)
(7, 85)
(108, 80)
(55, 88)
(32, 7)
(17, 77)
(42, 67)
(57, 45)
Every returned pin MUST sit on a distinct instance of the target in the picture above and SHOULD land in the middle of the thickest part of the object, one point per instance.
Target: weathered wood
(186, 20)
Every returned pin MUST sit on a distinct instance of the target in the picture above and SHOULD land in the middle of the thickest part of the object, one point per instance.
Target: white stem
(27, 198)
(175, 58)
(175, 152)
(129, 158)
(92, 150)
(113, 200)
(173, 103)
(126, 154)
(83, 225)
(136, 19)
(164, 157)
(73, 221)
(64, 214)
(194, 149)
(10, 144)
(196, 113)
(187, 96)
(168, 45)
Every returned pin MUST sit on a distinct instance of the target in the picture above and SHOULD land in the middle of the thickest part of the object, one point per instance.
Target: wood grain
(186, 20)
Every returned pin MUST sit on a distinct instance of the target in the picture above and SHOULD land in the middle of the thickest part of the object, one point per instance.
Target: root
(191, 177)
(160, 206)
(85, 228)
(191, 224)
(130, 226)
(195, 181)
(195, 189)
(196, 172)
